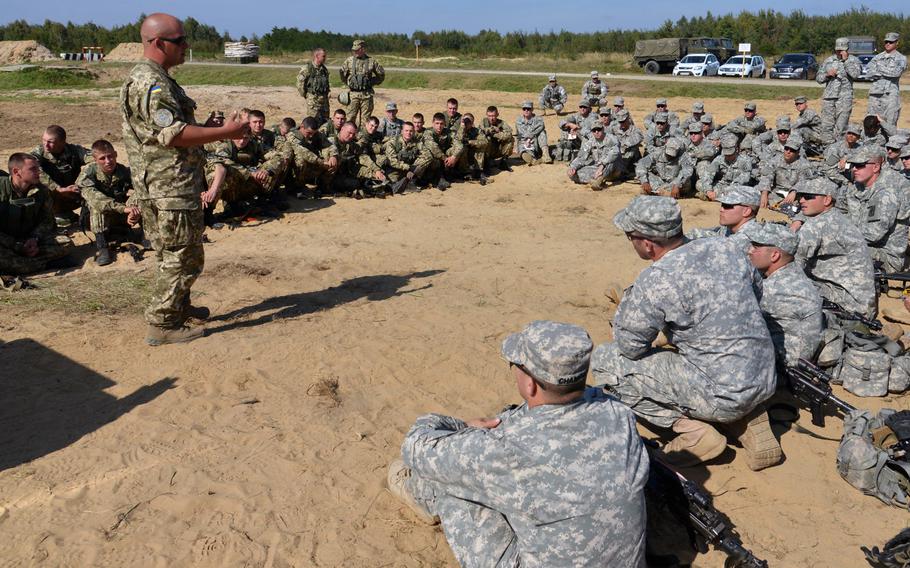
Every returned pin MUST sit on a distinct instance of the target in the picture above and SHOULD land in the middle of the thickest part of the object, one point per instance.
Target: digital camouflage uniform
(402, 157)
(793, 311)
(168, 182)
(106, 196)
(435, 149)
(274, 154)
(475, 148)
(837, 99)
(704, 296)
(28, 217)
(360, 75)
(570, 142)
(808, 126)
(597, 162)
(595, 94)
(833, 254)
(373, 144)
(779, 178)
(239, 167)
(701, 155)
(663, 171)
(554, 97)
(742, 126)
(355, 166)
(630, 141)
(309, 156)
(672, 119)
(656, 138)
(885, 70)
(501, 140)
(881, 214)
(741, 237)
(61, 170)
(389, 129)
(532, 137)
(722, 173)
(313, 85)
(834, 153)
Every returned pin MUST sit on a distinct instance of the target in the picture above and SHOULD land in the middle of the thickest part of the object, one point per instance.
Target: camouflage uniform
(554, 97)
(355, 166)
(532, 137)
(698, 111)
(767, 146)
(360, 75)
(402, 157)
(595, 94)
(833, 253)
(570, 142)
(329, 131)
(837, 99)
(779, 178)
(742, 126)
(239, 167)
(168, 182)
(274, 154)
(834, 153)
(629, 144)
(106, 196)
(389, 129)
(61, 170)
(808, 126)
(435, 149)
(28, 217)
(309, 156)
(672, 120)
(475, 149)
(886, 69)
(313, 85)
(735, 195)
(590, 513)
(663, 170)
(656, 138)
(598, 161)
(793, 311)
(701, 155)
(721, 174)
(501, 140)
(704, 296)
(373, 144)
(881, 213)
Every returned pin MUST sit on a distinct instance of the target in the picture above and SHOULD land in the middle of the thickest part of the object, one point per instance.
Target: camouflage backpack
(873, 454)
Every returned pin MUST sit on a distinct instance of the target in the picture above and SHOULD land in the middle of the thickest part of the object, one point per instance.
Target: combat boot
(105, 256)
(762, 448)
(164, 335)
(201, 313)
(395, 482)
(401, 185)
(697, 442)
(528, 158)
(443, 184)
(504, 165)
(547, 158)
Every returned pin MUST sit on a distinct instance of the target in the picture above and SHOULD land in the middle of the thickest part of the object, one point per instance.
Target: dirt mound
(12, 52)
(125, 52)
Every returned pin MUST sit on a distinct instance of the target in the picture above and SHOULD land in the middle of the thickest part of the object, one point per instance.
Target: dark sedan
(794, 66)
(864, 63)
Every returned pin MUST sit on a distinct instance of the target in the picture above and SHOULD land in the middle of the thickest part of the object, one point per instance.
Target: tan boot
(163, 336)
(697, 442)
(547, 158)
(762, 448)
(528, 158)
(398, 476)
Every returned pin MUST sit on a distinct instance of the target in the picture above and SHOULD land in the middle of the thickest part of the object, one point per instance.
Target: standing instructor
(164, 145)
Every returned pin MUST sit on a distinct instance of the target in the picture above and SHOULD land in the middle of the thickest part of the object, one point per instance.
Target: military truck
(660, 55)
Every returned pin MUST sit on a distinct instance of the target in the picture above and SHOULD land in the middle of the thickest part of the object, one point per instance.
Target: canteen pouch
(867, 467)
(899, 377)
(865, 373)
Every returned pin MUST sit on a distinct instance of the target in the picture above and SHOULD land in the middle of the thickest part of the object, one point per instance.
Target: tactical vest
(319, 81)
(360, 79)
(865, 458)
(407, 153)
(20, 216)
(592, 89)
(64, 171)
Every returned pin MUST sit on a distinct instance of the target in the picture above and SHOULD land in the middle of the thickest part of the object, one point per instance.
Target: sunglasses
(174, 40)
(806, 196)
(890, 41)
(727, 206)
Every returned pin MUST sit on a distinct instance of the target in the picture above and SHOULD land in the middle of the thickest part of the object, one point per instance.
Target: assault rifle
(843, 314)
(812, 387)
(883, 280)
(693, 507)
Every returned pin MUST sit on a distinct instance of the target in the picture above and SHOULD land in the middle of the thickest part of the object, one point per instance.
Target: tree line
(770, 32)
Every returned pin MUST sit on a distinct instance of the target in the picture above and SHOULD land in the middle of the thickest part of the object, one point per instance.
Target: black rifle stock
(812, 386)
(840, 312)
(883, 280)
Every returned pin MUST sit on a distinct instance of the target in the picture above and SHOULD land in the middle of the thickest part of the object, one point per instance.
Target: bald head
(163, 39)
(159, 25)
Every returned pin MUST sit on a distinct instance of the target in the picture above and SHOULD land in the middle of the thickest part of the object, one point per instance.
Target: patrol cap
(707, 118)
(864, 154)
(551, 78)
(653, 216)
(800, 100)
(905, 151)
(817, 186)
(391, 106)
(584, 103)
(621, 115)
(729, 145)
(527, 104)
(896, 142)
(741, 195)
(358, 43)
(698, 106)
(673, 147)
(552, 352)
(841, 43)
(598, 126)
(660, 102)
(661, 117)
(694, 127)
(794, 143)
(854, 128)
(749, 106)
(619, 101)
(783, 123)
(775, 235)
(594, 74)
(604, 111)
(218, 114)
(892, 36)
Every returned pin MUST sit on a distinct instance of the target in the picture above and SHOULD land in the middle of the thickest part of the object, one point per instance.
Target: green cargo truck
(660, 55)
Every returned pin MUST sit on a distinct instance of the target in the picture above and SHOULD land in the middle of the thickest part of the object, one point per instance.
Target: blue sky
(358, 16)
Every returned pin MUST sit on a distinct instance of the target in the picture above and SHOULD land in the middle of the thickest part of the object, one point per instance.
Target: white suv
(697, 65)
(734, 67)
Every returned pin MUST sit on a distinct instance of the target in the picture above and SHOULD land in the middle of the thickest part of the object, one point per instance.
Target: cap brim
(623, 222)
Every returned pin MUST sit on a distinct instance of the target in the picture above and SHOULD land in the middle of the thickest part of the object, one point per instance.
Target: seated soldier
(877, 204)
(370, 138)
(660, 131)
(781, 174)
(272, 149)
(357, 174)
(599, 161)
(703, 295)
(419, 129)
(808, 126)
(789, 302)
(605, 118)
(441, 152)
(698, 111)
(835, 167)
(471, 163)
(452, 116)
(833, 251)
(390, 126)
(402, 154)
(595, 91)
(531, 136)
(28, 239)
(330, 128)
(619, 104)
(315, 158)
(217, 118)
(501, 141)
(574, 129)
(630, 138)
(893, 148)
(580, 461)
(667, 171)
(553, 96)
(738, 210)
(61, 164)
(710, 129)
(728, 169)
(105, 185)
(661, 108)
(286, 127)
(235, 174)
(769, 145)
(876, 132)
(701, 151)
(748, 123)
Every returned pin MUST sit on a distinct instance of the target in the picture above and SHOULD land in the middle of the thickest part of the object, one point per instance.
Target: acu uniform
(886, 69)
(668, 167)
(595, 92)
(532, 138)
(598, 161)
(313, 85)
(570, 142)
(28, 217)
(837, 99)
(553, 96)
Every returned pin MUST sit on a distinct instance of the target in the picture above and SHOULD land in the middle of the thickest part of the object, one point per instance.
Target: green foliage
(46, 78)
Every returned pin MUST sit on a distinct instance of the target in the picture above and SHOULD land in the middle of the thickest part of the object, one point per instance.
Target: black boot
(104, 251)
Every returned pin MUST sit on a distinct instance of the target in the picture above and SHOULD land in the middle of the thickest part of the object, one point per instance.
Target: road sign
(745, 47)
(416, 43)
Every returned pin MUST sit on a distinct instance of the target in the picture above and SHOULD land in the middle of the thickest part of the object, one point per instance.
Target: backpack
(872, 455)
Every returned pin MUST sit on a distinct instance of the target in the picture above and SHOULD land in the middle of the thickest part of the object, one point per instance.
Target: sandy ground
(266, 442)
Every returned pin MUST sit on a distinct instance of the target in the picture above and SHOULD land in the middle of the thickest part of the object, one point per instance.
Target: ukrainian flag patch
(155, 89)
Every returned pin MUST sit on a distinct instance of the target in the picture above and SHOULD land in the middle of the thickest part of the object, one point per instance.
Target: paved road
(606, 76)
